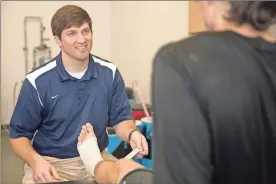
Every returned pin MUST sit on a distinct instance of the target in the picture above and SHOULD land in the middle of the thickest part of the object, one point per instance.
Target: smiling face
(76, 42)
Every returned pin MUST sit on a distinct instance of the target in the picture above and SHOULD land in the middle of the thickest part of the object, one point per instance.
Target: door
(273, 30)
(195, 19)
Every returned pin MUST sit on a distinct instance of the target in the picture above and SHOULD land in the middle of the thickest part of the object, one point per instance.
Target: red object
(137, 111)
(138, 114)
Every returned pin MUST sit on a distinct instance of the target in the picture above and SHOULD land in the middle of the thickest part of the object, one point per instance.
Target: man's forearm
(124, 128)
(23, 148)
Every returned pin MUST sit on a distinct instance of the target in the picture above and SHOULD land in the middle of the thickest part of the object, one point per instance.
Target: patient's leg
(112, 172)
(88, 148)
(104, 171)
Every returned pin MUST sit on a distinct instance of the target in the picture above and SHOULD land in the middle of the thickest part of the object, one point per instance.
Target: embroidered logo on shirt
(54, 96)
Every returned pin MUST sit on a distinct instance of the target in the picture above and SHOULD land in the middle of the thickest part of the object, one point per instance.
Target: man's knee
(28, 180)
(28, 175)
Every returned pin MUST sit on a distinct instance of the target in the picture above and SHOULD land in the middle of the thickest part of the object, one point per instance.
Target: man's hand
(43, 171)
(137, 140)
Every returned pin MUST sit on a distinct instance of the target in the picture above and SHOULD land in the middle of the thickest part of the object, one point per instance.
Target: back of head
(68, 16)
(259, 14)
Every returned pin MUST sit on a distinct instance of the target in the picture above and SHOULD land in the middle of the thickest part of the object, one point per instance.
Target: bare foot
(86, 133)
(88, 148)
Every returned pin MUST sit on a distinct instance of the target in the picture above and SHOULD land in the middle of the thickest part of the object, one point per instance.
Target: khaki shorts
(68, 169)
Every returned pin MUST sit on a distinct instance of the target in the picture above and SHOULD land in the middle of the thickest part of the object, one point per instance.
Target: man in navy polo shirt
(57, 99)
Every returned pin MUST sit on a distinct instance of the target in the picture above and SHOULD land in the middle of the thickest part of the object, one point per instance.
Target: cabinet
(195, 20)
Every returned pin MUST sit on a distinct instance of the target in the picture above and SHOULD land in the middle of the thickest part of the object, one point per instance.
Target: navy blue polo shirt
(52, 106)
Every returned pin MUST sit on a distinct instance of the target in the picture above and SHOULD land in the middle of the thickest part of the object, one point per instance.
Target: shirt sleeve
(181, 152)
(26, 116)
(120, 109)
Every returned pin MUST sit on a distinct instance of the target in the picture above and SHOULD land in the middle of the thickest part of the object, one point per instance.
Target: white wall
(138, 29)
(12, 39)
(128, 33)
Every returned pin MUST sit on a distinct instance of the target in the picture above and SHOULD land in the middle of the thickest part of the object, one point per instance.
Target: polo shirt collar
(91, 71)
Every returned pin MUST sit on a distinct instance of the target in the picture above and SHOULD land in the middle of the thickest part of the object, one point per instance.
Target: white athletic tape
(132, 153)
(90, 154)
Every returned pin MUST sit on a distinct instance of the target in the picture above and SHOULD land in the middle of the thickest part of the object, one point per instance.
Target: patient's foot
(86, 133)
(88, 148)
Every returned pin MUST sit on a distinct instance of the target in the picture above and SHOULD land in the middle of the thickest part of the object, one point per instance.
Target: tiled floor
(11, 165)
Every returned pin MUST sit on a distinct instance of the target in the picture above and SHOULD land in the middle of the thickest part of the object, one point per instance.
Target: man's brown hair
(68, 16)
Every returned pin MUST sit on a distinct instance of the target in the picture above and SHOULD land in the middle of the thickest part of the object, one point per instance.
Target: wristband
(129, 135)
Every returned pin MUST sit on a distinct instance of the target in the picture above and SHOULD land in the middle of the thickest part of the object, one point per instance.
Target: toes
(83, 131)
(82, 136)
(86, 131)
(90, 130)
(79, 141)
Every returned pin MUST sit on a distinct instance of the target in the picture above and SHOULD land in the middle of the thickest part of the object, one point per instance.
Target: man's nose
(80, 38)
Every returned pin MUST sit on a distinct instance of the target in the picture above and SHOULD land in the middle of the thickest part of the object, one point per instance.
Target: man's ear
(58, 41)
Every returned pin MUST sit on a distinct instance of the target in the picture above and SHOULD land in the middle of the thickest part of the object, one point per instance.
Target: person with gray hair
(214, 99)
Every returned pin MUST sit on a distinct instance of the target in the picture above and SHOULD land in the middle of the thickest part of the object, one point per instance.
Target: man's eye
(86, 31)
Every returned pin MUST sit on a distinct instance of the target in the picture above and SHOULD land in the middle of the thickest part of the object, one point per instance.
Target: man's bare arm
(23, 148)
(124, 128)
(42, 170)
(138, 140)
